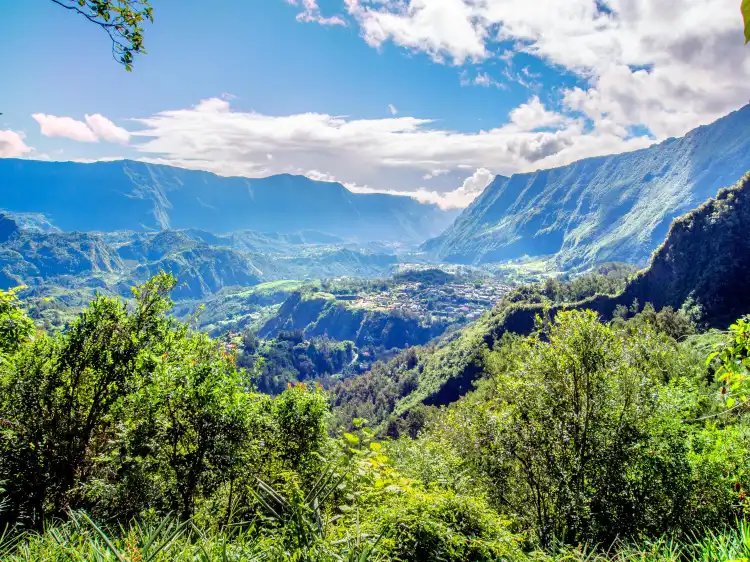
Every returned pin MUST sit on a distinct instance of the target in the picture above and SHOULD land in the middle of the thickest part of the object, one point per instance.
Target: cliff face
(127, 195)
(321, 314)
(613, 208)
(706, 256)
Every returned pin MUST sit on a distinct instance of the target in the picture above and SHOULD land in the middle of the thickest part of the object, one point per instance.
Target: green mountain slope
(705, 257)
(612, 208)
(319, 314)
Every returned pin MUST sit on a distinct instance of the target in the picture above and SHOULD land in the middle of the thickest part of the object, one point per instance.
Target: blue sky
(428, 97)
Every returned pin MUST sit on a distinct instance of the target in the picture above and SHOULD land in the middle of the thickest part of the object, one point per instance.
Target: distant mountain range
(612, 208)
(128, 195)
(204, 263)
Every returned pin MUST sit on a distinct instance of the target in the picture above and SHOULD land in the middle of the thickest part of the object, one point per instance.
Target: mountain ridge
(147, 197)
(607, 208)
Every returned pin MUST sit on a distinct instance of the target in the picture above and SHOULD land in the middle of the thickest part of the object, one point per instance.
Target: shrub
(441, 525)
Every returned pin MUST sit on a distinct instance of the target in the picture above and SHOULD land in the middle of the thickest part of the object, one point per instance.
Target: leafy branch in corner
(122, 20)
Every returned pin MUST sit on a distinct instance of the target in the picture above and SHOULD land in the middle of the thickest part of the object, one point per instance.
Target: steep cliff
(612, 208)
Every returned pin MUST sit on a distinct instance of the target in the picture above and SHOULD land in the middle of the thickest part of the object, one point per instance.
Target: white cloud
(386, 155)
(104, 129)
(65, 127)
(435, 173)
(481, 79)
(392, 109)
(311, 13)
(96, 128)
(319, 176)
(461, 197)
(437, 27)
(664, 65)
(12, 145)
(458, 198)
(533, 115)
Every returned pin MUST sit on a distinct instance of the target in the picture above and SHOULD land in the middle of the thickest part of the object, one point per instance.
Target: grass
(81, 539)
(728, 546)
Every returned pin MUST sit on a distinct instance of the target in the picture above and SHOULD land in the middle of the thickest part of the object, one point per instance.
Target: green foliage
(746, 19)
(185, 428)
(733, 358)
(122, 20)
(421, 525)
(60, 395)
(574, 423)
(131, 437)
(291, 358)
(15, 326)
(588, 432)
(300, 415)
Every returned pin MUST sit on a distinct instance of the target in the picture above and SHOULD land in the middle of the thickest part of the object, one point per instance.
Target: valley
(445, 343)
(375, 281)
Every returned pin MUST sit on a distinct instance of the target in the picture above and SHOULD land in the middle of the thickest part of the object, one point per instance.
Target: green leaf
(351, 438)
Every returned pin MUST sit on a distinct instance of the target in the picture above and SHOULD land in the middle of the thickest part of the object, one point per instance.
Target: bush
(441, 525)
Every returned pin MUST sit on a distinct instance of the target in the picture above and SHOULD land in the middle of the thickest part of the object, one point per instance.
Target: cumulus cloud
(457, 198)
(96, 128)
(481, 79)
(106, 130)
(53, 126)
(435, 173)
(533, 115)
(391, 154)
(311, 13)
(12, 145)
(664, 65)
(460, 197)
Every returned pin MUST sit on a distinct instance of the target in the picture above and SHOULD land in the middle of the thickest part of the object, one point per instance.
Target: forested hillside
(612, 208)
(129, 436)
(68, 267)
(700, 268)
(318, 314)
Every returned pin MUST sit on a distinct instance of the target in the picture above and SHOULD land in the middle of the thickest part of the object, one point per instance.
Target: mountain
(204, 263)
(612, 208)
(127, 195)
(705, 257)
(28, 255)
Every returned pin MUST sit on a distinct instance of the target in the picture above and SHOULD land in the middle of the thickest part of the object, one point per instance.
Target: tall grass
(80, 539)
(729, 546)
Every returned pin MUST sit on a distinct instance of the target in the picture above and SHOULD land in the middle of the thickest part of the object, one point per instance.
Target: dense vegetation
(394, 392)
(143, 440)
(696, 278)
(290, 358)
(317, 313)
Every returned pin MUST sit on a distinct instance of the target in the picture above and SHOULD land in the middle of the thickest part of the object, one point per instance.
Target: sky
(430, 98)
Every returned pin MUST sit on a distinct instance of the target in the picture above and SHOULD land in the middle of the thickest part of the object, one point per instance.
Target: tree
(15, 325)
(746, 17)
(186, 426)
(577, 439)
(59, 396)
(122, 20)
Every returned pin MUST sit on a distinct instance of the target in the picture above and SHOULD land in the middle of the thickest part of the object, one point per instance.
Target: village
(449, 302)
